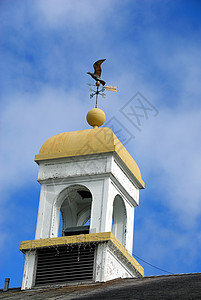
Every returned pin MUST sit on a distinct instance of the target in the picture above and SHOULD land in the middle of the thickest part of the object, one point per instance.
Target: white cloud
(76, 13)
(27, 121)
(166, 247)
(169, 148)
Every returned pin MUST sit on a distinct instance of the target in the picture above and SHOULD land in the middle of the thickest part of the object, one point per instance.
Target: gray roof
(178, 286)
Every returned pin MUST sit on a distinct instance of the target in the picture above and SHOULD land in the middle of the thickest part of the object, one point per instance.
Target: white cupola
(90, 182)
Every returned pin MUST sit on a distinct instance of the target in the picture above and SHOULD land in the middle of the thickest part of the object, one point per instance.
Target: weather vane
(100, 83)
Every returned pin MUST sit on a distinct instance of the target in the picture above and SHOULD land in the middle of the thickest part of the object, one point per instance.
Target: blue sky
(152, 48)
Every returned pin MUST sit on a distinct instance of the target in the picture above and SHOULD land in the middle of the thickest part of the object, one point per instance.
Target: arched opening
(119, 219)
(75, 210)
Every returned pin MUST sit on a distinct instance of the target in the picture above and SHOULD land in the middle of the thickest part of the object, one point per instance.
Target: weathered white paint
(127, 185)
(115, 268)
(110, 265)
(100, 263)
(106, 177)
(101, 175)
(71, 167)
(29, 270)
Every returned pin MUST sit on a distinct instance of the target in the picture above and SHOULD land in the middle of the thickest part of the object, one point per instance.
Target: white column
(96, 188)
(29, 270)
(45, 212)
(100, 262)
(129, 228)
(106, 214)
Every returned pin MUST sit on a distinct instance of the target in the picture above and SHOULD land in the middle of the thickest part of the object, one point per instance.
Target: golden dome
(96, 117)
(83, 142)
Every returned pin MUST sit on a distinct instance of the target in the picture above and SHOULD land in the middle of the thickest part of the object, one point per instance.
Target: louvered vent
(64, 264)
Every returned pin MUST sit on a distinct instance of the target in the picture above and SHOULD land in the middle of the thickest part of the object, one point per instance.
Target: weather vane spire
(100, 83)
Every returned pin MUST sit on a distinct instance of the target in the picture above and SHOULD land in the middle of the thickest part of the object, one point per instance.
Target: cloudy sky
(153, 54)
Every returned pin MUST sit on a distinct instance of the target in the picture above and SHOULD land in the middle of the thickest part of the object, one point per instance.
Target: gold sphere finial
(96, 117)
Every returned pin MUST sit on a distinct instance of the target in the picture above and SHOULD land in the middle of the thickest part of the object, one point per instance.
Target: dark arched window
(75, 210)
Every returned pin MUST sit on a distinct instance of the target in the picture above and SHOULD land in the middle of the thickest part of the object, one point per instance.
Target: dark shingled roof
(178, 286)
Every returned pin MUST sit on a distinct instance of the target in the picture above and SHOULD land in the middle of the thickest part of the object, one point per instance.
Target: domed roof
(83, 142)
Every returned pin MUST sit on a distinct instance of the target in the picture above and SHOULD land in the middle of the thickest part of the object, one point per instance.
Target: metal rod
(96, 97)
(6, 284)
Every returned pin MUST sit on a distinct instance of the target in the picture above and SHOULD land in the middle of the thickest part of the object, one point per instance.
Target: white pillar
(29, 270)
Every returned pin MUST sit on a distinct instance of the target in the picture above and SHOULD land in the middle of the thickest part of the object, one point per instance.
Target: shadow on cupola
(75, 210)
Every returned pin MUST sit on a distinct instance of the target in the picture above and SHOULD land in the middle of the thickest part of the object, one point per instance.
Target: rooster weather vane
(100, 83)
